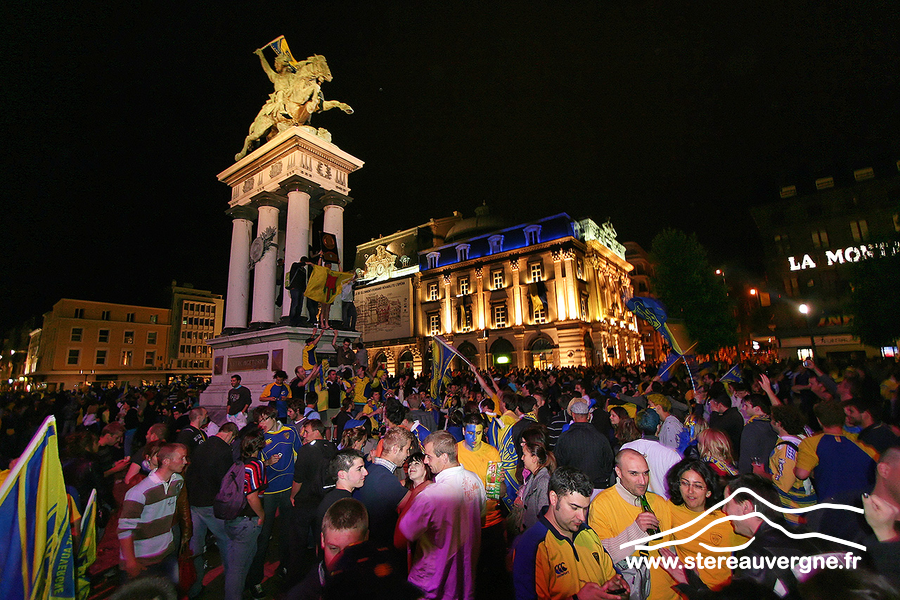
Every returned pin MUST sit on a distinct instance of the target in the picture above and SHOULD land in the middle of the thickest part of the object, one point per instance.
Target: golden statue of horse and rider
(297, 95)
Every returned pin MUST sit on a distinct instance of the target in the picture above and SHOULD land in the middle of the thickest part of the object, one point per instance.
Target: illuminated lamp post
(804, 310)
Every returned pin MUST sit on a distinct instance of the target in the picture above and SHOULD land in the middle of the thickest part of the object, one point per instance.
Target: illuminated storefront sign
(841, 255)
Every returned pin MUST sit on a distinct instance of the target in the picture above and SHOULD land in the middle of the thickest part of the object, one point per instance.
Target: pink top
(445, 519)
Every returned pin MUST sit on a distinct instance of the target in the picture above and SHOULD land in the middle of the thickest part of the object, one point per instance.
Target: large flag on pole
(35, 532)
(280, 47)
(441, 355)
(325, 285)
(653, 312)
(440, 340)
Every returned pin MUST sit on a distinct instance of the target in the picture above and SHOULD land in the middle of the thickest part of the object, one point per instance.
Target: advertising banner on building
(385, 310)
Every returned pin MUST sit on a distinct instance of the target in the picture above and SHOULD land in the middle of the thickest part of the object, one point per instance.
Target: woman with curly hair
(694, 488)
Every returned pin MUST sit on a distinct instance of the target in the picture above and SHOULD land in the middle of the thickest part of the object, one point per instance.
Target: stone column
(264, 276)
(334, 223)
(296, 243)
(448, 306)
(520, 349)
(574, 302)
(482, 355)
(237, 299)
(478, 320)
(517, 293)
(559, 287)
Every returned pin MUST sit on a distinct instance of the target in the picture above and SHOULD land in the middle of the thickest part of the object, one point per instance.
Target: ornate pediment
(380, 265)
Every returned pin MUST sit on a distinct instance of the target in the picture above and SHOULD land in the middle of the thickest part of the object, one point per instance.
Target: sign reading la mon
(848, 254)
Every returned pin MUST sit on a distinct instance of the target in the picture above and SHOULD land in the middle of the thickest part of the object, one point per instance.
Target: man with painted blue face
(484, 460)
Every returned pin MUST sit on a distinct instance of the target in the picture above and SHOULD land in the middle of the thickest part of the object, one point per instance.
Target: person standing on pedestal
(348, 309)
(239, 401)
(297, 279)
(312, 307)
(279, 282)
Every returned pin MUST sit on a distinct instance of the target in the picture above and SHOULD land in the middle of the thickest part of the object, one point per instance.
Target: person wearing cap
(659, 457)
(583, 447)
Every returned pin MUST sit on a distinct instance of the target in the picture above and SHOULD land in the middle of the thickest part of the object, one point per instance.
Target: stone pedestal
(284, 184)
(254, 355)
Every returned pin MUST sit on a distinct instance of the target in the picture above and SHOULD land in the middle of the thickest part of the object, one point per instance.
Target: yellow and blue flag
(733, 375)
(35, 532)
(653, 312)
(441, 355)
(87, 548)
(325, 285)
(537, 293)
(280, 47)
(665, 369)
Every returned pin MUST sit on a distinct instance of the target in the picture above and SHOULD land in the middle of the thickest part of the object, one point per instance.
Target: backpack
(230, 500)
(323, 482)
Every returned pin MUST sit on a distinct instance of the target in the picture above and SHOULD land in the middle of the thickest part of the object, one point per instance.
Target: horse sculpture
(297, 95)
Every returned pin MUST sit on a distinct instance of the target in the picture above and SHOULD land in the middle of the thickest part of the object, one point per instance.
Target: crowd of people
(525, 483)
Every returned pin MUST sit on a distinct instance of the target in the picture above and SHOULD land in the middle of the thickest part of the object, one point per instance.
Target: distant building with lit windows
(811, 236)
(196, 317)
(538, 294)
(83, 342)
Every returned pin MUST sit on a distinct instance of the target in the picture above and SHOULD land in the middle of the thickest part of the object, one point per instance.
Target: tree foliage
(875, 300)
(686, 283)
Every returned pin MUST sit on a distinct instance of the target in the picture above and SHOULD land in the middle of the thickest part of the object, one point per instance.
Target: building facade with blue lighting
(537, 294)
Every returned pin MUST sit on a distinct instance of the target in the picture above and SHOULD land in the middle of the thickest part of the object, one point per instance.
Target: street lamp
(805, 310)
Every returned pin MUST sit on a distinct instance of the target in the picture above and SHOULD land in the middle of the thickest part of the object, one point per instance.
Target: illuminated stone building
(82, 342)
(810, 238)
(537, 294)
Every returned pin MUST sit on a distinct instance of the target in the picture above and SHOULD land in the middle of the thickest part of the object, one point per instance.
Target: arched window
(503, 354)
(542, 353)
(406, 362)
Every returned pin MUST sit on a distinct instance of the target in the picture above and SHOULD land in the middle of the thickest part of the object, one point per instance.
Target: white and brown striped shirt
(148, 515)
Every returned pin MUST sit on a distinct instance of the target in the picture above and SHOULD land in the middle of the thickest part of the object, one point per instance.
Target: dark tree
(875, 299)
(686, 283)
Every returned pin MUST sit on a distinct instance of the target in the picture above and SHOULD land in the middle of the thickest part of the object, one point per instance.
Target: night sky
(117, 119)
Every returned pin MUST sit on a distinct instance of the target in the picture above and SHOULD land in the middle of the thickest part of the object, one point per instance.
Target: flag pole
(691, 375)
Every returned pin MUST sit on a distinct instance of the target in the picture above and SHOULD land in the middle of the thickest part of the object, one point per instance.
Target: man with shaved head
(618, 516)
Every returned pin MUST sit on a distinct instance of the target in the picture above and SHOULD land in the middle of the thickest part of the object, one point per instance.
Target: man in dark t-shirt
(193, 435)
(307, 491)
(210, 462)
(725, 417)
(239, 401)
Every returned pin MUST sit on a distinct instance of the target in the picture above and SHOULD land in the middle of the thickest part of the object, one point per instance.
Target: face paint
(472, 434)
